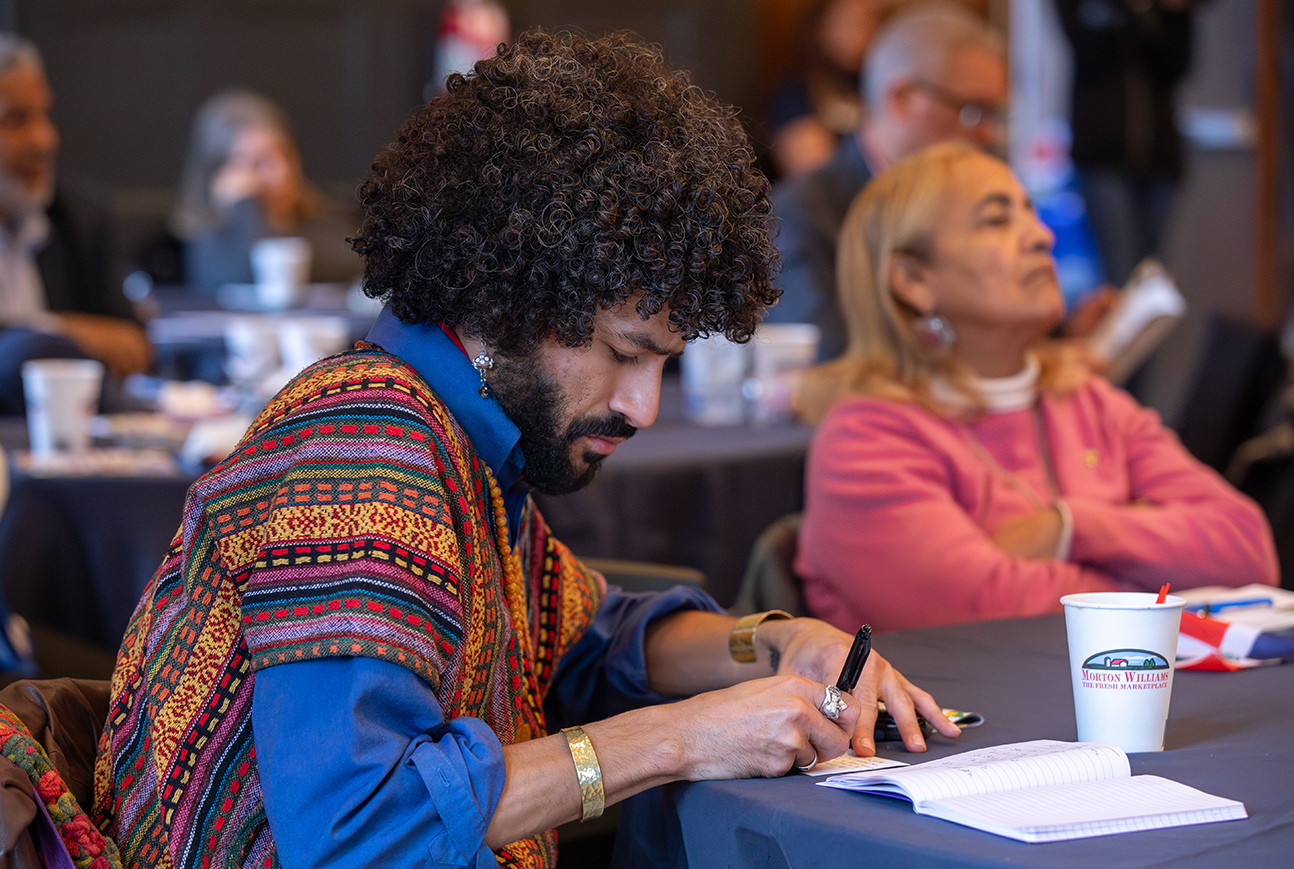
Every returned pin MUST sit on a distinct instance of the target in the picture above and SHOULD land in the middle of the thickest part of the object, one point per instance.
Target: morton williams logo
(1128, 669)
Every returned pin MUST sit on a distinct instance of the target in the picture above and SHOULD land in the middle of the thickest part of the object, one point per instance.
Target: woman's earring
(935, 333)
(483, 363)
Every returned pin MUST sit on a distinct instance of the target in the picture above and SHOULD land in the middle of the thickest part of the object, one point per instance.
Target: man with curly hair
(364, 634)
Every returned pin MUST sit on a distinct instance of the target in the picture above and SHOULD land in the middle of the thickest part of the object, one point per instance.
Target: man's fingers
(931, 712)
(829, 736)
(806, 765)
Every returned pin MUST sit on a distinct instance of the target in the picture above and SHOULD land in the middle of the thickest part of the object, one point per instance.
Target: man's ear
(896, 99)
(907, 279)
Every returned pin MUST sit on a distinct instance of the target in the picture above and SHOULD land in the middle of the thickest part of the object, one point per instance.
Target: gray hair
(17, 52)
(918, 41)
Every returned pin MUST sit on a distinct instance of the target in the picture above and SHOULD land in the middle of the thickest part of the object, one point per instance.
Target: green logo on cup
(1126, 659)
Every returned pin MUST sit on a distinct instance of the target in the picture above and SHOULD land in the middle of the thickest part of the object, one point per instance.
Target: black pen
(856, 660)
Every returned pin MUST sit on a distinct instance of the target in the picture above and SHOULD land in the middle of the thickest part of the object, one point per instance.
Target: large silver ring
(811, 765)
(833, 703)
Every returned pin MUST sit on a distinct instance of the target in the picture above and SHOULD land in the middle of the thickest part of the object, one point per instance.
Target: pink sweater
(899, 509)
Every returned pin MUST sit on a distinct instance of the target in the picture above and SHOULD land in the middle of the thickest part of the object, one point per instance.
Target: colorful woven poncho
(354, 519)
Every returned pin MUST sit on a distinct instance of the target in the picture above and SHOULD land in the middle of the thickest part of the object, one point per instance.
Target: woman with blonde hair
(964, 469)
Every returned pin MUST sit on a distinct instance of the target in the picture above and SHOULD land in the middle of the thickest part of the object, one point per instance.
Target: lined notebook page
(1022, 765)
(1094, 808)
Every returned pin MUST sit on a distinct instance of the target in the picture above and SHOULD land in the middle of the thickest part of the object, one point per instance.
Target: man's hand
(119, 344)
(816, 650)
(737, 721)
(760, 728)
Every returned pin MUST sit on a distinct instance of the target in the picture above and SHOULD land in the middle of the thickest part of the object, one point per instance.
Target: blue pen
(1207, 608)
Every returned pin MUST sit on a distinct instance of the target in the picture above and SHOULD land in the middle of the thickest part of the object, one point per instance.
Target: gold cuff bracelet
(741, 642)
(592, 795)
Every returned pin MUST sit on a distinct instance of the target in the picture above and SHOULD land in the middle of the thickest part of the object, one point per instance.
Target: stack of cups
(1121, 651)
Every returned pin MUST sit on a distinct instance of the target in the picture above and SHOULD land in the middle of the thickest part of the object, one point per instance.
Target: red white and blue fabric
(1212, 644)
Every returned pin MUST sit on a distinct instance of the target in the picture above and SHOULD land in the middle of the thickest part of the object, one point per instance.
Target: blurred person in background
(59, 296)
(243, 181)
(965, 468)
(1129, 58)
(467, 31)
(934, 72)
(818, 102)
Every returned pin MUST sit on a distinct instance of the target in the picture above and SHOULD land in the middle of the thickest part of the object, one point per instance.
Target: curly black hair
(563, 176)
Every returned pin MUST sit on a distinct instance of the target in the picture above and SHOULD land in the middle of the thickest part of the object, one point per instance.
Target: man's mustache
(613, 425)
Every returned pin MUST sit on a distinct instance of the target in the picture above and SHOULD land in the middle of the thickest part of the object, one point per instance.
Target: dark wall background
(129, 74)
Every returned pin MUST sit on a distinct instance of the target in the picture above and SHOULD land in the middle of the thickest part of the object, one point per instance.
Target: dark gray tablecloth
(1230, 734)
(681, 493)
(77, 551)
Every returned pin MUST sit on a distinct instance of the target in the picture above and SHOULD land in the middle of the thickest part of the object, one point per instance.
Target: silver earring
(483, 363)
(935, 333)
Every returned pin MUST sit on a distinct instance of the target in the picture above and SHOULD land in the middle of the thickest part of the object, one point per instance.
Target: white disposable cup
(61, 396)
(781, 347)
(305, 340)
(714, 370)
(281, 267)
(251, 347)
(1121, 651)
(781, 352)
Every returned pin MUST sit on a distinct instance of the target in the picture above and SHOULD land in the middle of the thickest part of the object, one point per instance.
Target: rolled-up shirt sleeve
(359, 768)
(605, 673)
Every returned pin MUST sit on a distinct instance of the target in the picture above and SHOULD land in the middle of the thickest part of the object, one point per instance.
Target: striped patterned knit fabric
(353, 519)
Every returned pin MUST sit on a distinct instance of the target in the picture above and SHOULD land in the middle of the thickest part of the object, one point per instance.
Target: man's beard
(19, 201)
(537, 404)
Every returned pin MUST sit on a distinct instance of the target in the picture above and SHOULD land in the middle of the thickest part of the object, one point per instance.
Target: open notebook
(1044, 791)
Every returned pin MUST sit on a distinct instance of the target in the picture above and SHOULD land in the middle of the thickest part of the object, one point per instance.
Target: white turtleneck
(1001, 394)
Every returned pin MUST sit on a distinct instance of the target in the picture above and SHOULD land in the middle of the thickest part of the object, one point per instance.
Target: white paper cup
(781, 347)
(251, 348)
(281, 267)
(305, 340)
(1121, 650)
(780, 352)
(714, 370)
(61, 396)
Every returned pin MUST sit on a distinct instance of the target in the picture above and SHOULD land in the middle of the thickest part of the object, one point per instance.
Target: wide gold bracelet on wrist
(593, 797)
(741, 642)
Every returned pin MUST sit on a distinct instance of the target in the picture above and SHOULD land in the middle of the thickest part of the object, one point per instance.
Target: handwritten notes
(850, 762)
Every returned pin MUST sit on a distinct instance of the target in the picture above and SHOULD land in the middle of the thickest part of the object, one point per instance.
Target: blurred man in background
(1129, 60)
(934, 72)
(57, 292)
